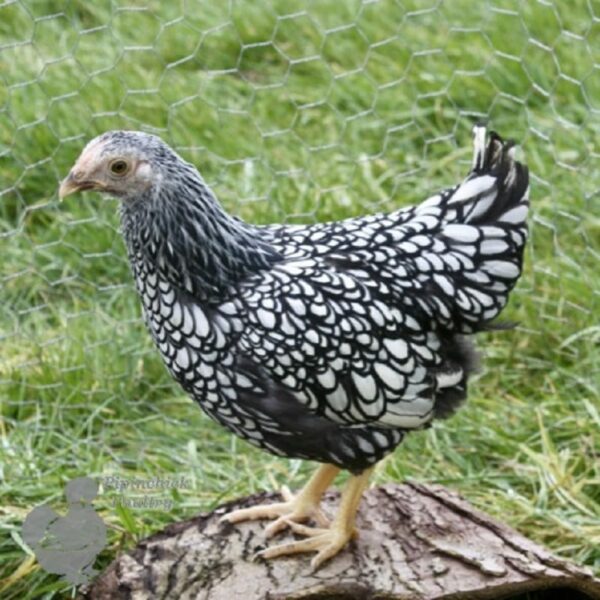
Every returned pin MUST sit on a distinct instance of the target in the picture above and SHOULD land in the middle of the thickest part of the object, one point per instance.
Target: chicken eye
(119, 167)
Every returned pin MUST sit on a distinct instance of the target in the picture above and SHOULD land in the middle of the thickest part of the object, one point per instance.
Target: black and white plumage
(330, 341)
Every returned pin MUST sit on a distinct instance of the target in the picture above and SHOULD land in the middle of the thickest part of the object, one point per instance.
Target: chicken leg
(294, 509)
(327, 542)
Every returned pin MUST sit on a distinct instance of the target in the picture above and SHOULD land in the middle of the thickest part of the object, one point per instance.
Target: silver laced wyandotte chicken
(326, 342)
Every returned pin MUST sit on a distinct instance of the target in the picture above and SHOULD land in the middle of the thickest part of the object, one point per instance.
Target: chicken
(326, 342)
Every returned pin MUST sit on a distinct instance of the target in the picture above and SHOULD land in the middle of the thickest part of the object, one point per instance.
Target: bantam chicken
(325, 342)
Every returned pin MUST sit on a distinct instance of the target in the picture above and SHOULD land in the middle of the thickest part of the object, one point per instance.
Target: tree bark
(416, 541)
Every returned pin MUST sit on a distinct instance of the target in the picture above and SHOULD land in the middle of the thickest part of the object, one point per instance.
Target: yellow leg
(294, 509)
(327, 542)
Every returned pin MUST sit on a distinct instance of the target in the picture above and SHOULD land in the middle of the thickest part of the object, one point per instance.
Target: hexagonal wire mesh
(294, 111)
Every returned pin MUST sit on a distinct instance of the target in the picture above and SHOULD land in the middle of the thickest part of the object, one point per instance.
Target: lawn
(300, 112)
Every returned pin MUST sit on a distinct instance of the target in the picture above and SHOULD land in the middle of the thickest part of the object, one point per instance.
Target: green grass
(294, 112)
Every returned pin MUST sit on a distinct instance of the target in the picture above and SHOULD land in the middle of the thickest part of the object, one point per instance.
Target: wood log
(416, 541)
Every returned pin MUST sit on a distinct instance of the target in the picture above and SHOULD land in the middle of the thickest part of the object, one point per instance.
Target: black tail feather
(496, 159)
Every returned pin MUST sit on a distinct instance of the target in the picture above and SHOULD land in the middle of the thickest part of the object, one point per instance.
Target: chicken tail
(482, 229)
(496, 189)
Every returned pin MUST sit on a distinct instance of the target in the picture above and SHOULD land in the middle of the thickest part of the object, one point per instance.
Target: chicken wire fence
(293, 111)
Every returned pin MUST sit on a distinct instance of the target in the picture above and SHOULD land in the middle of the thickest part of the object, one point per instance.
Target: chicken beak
(68, 186)
(71, 184)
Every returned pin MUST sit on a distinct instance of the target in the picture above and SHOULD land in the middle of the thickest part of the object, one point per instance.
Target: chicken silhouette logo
(68, 545)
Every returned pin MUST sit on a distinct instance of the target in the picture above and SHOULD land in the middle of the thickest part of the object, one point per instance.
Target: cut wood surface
(416, 541)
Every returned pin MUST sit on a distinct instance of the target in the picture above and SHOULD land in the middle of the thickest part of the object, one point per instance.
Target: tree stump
(416, 542)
